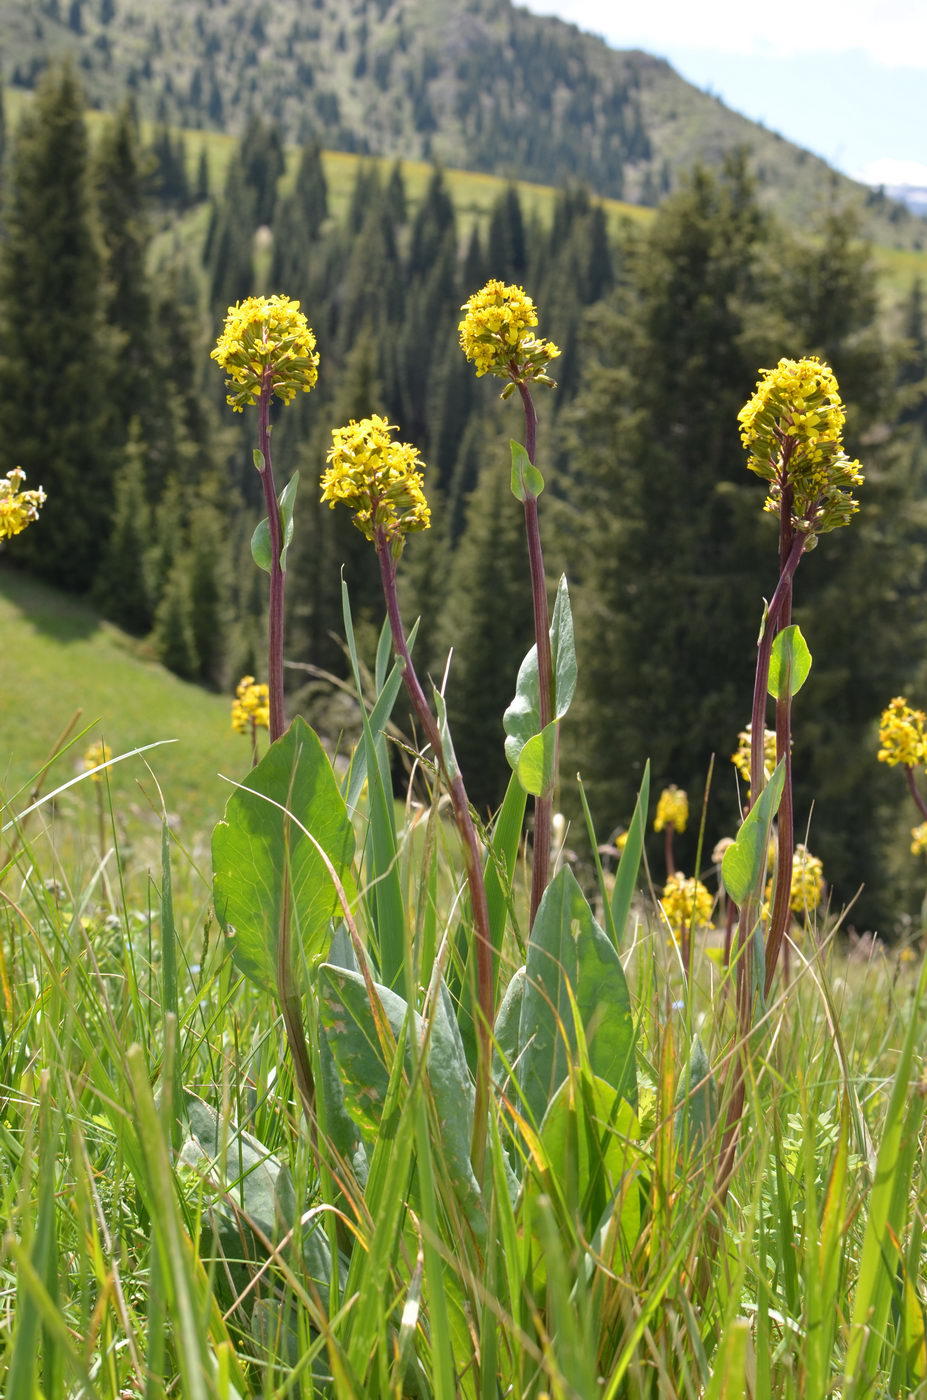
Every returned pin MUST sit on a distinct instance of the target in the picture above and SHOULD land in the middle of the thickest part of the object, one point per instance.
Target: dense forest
(477, 84)
(109, 399)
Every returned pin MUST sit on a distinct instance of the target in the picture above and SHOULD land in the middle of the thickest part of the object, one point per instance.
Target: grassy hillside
(58, 658)
(478, 84)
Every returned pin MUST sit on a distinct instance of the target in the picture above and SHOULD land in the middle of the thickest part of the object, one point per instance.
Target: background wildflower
(18, 508)
(261, 336)
(497, 335)
(901, 734)
(92, 758)
(251, 706)
(672, 809)
(378, 479)
(741, 758)
(919, 840)
(687, 904)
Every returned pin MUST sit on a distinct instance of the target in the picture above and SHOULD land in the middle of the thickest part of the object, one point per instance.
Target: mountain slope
(476, 84)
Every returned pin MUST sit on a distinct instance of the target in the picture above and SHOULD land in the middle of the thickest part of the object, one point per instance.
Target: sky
(845, 78)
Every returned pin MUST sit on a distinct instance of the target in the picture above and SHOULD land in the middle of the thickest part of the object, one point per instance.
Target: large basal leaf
(349, 1025)
(588, 1160)
(745, 860)
(522, 719)
(568, 949)
(268, 877)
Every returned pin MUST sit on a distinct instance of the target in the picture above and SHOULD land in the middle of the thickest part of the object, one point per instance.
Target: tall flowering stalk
(267, 349)
(903, 743)
(792, 429)
(672, 815)
(381, 482)
(497, 336)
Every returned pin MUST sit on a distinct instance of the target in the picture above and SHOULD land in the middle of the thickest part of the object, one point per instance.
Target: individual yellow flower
(686, 904)
(18, 508)
(621, 840)
(672, 809)
(266, 341)
(94, 756)
(251, 706)
(497, 335)
(901, 734)
(741, 759)
(919, 840)
(378, 479)
(808, 887)
(792, 429)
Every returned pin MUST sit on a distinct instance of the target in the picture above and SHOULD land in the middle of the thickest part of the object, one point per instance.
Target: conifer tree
(209, 589)
(122, 588)
(506, 246)
(487, 619)
(299, 219)
(53, 370)
(173, 631)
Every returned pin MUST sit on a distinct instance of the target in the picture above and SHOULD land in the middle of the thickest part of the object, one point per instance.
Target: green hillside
(60, 657)
(476, 85)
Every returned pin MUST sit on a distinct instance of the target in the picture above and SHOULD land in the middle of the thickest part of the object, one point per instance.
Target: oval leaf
(526, 479)
(744, 861)
(537, 760)
(789, 663)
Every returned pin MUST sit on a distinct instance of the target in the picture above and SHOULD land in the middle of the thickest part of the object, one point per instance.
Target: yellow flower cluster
(378, 479)
(792, 429)
(807, 881)
(919, 840)
(18, 508)
(742, 758)
(97, 753)
(901, 734)
(672, 809)
(497, 336)
(266, 340)
(251, 706)
(686, 904)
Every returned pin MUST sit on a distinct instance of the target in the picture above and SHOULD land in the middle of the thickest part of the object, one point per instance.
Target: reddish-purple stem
(915, 793)
(785, 852)
(543, 805)
(461, 805)
(277, 576)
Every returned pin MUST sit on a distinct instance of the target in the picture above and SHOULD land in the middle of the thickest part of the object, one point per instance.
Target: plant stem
(277, 576)
(668, 849)
(474, 861)
(912, 785)
(785, 851)
(543, 805)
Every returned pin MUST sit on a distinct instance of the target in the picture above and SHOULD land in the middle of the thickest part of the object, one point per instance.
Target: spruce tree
(122, 589)
(173, 637)
(487, 619)
(300, 217)
(53, 369)
(209, 590)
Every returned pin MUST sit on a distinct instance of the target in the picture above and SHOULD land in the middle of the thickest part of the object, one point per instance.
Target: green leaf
(506, 1030)
(444, 729)
(629, 864)
(352, 1033)
(589, 1160)
(537, 761)
(257, 457)
(696, 1101)
(789, 663)
(522, 719)
(567, 950)
(268, 877)
(260, 540)
(260, 545)
(287, 503)
(526, 479)
(744, 861)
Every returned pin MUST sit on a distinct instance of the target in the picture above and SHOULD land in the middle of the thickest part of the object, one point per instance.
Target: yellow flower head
(97, 753)
(672, 809)
(18, 508)
(919, 840)
(621, 840)
(378, 479)
(497, 335)
(808, 887)
(901, 734)
(792, 429)
(266, 341)
(741, 759)
(251, 706)
(686, 904)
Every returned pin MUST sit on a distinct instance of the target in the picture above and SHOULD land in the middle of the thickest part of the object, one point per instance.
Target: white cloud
(890, 32)
(889, 171)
